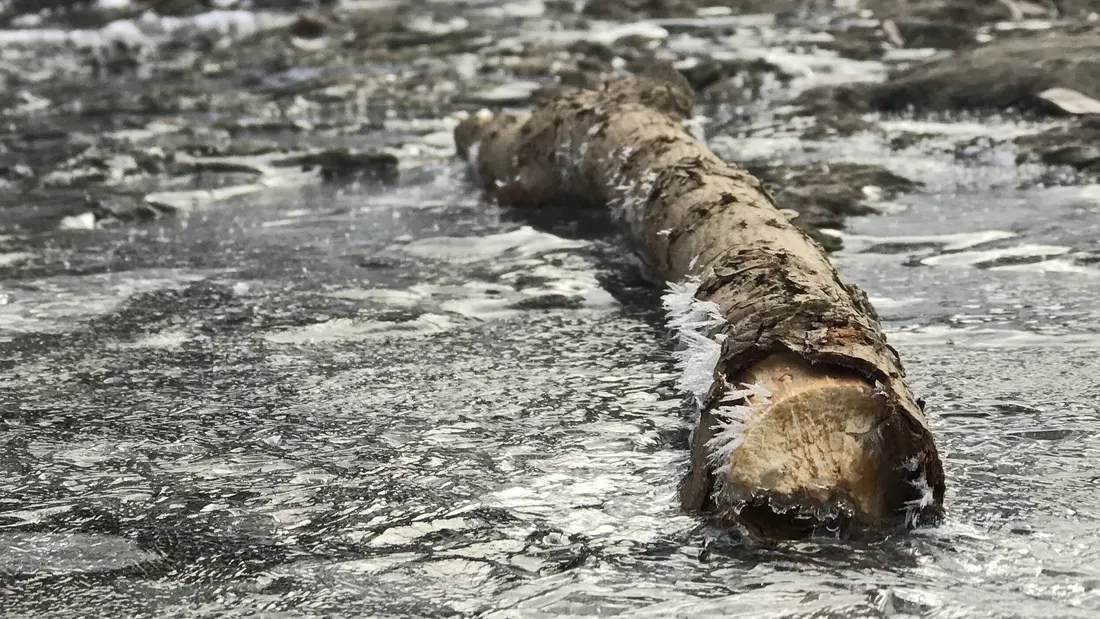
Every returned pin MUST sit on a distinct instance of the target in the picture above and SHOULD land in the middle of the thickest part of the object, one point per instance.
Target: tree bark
(828, 433)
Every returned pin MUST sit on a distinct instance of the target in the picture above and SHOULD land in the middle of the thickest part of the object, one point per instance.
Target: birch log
(806, 424)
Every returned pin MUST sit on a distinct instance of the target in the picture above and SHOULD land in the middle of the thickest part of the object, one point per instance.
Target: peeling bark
(840, 440)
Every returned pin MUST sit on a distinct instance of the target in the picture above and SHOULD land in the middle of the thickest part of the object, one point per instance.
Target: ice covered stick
(806, 424)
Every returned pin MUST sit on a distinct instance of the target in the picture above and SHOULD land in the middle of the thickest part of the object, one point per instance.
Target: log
(805, 423)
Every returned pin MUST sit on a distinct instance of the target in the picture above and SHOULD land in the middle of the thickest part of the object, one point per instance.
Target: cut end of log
(825, 454)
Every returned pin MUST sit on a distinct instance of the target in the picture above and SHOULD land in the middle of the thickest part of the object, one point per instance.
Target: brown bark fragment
(842, 438)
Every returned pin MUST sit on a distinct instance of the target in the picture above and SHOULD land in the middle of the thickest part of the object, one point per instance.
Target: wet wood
(841, 440)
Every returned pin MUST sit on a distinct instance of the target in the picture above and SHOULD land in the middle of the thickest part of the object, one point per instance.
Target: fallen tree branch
(805, 421)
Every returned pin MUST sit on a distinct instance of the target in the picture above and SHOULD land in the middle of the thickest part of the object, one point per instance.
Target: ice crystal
(693, 321)
(914, 507)
(730, 418)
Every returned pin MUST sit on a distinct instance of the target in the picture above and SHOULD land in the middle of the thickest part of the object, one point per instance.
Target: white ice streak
(693, 321)
(697, 360)
(583, 150)
(570, 155)
(754, 390)
(730, 426)
(632, 193)
(914, 507)
(150, 28)
(731, 416)
(686, 312)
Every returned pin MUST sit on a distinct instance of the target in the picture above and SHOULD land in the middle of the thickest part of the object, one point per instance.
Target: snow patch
(150, 28)
(600, 32)
(84, 221)
(952, 242)
(11, 258)
(978, 257)
(165, 340)
(346, 329)
(523, 242)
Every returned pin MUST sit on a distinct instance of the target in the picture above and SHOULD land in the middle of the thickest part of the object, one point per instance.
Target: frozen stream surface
(408, 402)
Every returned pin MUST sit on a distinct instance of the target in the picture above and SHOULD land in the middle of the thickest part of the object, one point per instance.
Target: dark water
(404, 401)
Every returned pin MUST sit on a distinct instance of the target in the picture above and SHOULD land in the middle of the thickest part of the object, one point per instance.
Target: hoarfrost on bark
(911, 463)
(693, 321)
(687, 313)
(633, 196)
(914, 507)
(630, 193)
(583, 150)
(746, 390)
(730, 420)
(697, 361)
